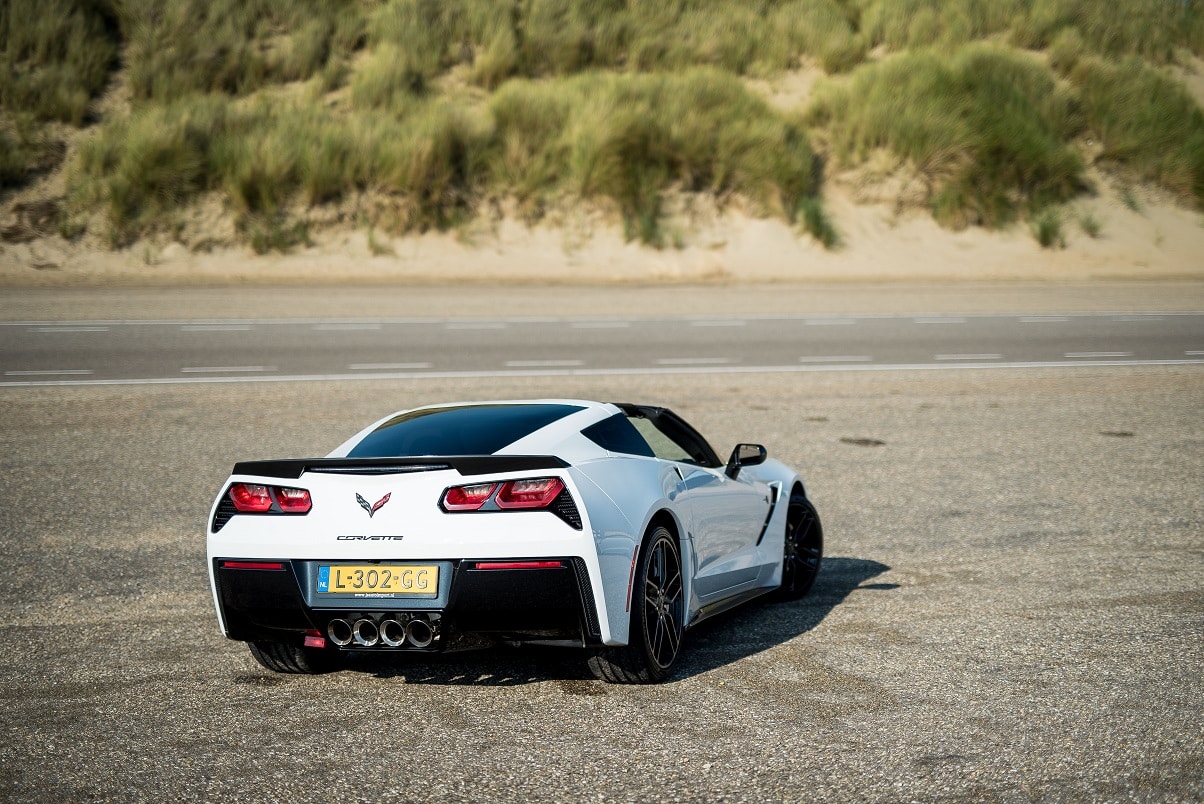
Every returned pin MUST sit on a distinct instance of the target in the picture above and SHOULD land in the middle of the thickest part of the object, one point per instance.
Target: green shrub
(989, 127)
(1147, 123)
(56, 55)
(629, 137)
(182, 47)
(1152, 29)
(1047, 229)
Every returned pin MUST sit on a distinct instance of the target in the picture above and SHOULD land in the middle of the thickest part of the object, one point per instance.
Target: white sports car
(610, 527)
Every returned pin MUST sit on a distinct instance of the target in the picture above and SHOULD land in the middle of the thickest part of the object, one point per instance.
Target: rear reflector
(315, 641)
(519, 565)
(253, 565)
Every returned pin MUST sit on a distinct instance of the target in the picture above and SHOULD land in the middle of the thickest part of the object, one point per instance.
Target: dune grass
(988, 127)
(1148, 125)
(441, 105)
(55, 54)
(623, 138)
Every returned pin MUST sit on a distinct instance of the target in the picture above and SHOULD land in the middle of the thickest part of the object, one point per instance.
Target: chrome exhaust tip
(419, 633)
(365, 632)
(339, 632)
(392, 633)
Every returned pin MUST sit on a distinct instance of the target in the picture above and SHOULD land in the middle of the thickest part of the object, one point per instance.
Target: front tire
(803, 550)
(282, 658)
(657, 618)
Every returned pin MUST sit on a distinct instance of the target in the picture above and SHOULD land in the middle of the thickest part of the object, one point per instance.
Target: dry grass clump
(1147, 123)
(440, 105)
(232, 46)
(989, 127)
(55, 54)
(625, 138)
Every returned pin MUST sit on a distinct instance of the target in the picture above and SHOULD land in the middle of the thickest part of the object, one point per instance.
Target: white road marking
(348, 327)
(830, 322)
(1193, 354)
(475, 325)
(1043, 319)
(611, 372)
(968, 357)
(601, 324)
(71, 329)
(225, 369)
(720, 323)
(939, 320)
(693, 361)
(543, 363)
(1139, 318)
(216, 328)
(51, 373)
(836, 359)
(387, 366)
(1097, 355)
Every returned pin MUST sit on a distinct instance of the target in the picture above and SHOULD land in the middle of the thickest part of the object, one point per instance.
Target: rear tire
(282, 658)
(657, 618)
(803, 549)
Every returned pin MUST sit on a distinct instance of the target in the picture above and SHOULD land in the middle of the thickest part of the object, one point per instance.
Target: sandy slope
(881, 242)
(879, 210)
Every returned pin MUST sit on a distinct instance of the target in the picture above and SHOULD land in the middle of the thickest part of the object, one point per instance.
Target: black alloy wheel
(803, 550)
(657, 618)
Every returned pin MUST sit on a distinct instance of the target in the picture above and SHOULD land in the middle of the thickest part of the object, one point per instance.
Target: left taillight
(254, 498)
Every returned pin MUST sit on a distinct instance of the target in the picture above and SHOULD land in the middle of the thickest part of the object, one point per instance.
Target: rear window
(470, 430)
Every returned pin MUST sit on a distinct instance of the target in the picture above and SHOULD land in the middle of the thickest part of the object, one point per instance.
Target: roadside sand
(1141, 236)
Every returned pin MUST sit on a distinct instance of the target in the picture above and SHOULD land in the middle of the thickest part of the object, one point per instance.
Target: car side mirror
(745, 455)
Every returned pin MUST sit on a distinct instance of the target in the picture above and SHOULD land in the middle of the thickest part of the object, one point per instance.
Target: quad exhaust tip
(393, 632)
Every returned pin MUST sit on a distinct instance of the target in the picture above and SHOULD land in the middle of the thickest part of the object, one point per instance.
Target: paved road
(1011, 607)
(99, 351)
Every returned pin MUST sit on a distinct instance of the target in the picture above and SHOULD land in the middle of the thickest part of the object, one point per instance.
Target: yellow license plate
(384, 580)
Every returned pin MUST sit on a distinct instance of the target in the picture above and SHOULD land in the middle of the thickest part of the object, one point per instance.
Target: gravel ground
(1011, 608)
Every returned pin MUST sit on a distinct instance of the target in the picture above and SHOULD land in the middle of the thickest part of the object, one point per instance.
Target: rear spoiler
(464, 464)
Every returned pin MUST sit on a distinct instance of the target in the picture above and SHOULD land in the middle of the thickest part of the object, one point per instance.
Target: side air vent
(225, 510)
(399, 469)
(564, 507)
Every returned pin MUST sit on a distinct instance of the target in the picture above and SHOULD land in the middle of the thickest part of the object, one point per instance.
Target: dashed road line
(226, 369)
(693, 361)
(387, 366)
(216, 328)
(968, 357)
(1096, 355)
(836, 359)
(50, 373)
(544, 363)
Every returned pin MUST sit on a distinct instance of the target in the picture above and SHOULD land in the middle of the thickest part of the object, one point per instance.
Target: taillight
(468, 498)
(250, 498)
(529, 494)
(253, 498)
(293, 501)
(537, 493)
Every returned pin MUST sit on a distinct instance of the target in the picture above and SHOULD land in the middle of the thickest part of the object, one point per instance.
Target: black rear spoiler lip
(293, 468)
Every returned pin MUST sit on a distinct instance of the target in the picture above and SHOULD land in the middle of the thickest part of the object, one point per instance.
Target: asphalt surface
(198, 350)
(1011, 606)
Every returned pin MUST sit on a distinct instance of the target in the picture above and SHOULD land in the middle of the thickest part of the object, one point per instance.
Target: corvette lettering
(369, 538)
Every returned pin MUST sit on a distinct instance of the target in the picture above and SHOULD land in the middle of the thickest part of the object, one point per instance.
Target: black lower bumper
(270, 600)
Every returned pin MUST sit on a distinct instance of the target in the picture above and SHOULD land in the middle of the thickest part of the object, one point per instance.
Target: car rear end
(404, 554)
